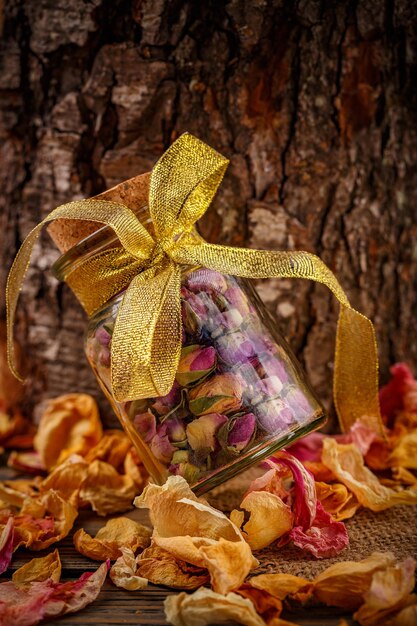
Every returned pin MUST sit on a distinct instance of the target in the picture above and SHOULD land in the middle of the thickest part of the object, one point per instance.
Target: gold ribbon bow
(146, 342)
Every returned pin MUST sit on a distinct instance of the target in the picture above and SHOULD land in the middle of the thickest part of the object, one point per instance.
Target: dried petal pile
(303, 498)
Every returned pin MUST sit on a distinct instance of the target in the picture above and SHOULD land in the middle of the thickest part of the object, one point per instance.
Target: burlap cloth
(394, 530)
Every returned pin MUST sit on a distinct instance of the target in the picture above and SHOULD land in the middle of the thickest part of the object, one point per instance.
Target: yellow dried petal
(38, 570)
(404, 453)
(106, 490)
(184, 548)
(345, 583)
(67, 478)
(389, 592)
(70, 425)
(112, 448)
(162, 568)
(175, 511)
(123, 572)
(270, 518)
(346, 462)
(205, 606)
(228, 563)
(117, 533)
(281, 585)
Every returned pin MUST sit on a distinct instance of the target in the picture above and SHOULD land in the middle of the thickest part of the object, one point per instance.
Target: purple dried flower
(235, 348)
(103, 336)
(238, 299)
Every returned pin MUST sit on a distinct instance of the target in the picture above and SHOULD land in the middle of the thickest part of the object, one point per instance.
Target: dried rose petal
(6, 545)
(269, 518)
(161, 446)
(124, 571)
(47, 599)
(205, 606)
(324, 538)
(344, 584)
(70, 425)
(195, 363)
(117, 533)
(38, 570)
(160, 567)
(305, 499)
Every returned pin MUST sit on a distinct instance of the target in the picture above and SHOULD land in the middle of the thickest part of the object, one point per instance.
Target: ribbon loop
(146, 341)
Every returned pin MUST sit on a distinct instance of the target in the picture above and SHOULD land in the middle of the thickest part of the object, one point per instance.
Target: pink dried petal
(391, 395)
(308, 448)
(305, 498)
(102, 336)
(145, 424)
(325, 537)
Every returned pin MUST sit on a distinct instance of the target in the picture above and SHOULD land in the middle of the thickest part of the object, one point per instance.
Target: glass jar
(239, 393)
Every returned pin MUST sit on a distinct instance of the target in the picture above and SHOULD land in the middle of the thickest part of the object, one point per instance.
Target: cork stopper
(132, 192)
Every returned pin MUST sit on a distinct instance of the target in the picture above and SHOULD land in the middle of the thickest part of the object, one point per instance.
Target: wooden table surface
(116, 606)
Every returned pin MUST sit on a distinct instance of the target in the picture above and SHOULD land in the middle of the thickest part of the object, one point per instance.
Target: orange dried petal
(69, 425)
(228, 563)
(37, 570)
(106, 490)
(281, 585)
(346, 461)
(162, 568)
(270, 518)
(345, 583)
(117, 533)
(337, 500)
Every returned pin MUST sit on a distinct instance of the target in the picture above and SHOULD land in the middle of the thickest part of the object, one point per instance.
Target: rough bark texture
(313, 101)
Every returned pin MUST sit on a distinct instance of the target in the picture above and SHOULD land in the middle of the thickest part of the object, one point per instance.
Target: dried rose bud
(182, 466)
(242, 431)
(201, 433)
(161, 446)
(103, 336)
(164, 404)
(238, 299)
(274, 415)
(145, 424)
(270, 365)
(175, 429)
(195, 363)
(221, 393)
(235, 348)
(271, 387)
(297, 401)
(227, 322)
(206, 280)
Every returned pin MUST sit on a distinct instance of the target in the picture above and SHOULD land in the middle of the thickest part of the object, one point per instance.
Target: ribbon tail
(356, 359)
(146, 344)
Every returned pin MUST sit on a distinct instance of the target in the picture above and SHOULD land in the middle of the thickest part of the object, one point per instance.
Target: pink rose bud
(221, 393)
(206, 280)
(161, 446)
(274, 415)
(201, 432)
(164, 404)
(297, 401)
(242, 431)
(145, 424)
(193, 311)
(270, 365)
(227, 322)
(235, 348)
(103, 336)
(238, 299)
(271, 387)
(104, 357)
(195, 363)
(175, 429)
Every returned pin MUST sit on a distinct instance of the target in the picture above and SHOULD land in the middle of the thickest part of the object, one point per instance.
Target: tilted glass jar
(239, 393)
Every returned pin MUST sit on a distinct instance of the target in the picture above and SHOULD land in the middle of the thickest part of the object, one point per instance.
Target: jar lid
(132, 192)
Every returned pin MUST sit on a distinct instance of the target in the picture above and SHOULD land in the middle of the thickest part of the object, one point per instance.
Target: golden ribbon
(146, 342)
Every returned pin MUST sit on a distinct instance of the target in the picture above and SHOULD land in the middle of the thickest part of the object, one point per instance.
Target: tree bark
(314, 103)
